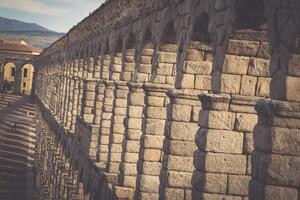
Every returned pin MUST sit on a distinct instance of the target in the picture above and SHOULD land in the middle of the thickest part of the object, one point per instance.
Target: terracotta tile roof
(18, 46)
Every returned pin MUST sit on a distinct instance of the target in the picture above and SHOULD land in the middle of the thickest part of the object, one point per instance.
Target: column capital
(215, 101)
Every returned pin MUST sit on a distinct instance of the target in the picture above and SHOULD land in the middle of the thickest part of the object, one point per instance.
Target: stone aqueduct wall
(156, 99)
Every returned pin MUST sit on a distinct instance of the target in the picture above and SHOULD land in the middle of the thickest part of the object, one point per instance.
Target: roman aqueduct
(172, 99)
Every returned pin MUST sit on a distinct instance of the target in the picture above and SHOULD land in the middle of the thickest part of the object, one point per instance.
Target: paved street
(17, 138)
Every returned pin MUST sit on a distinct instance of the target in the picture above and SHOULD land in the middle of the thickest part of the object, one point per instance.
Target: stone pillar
(71, 97)
(224, 143)
(105, 67)
(18, 79)
(182, 128)
(89, 95)
(132, 138)
(129, 65)
(100, 89)
(117, 127)
(105, 129)
(81, 85)
(116, 66)
(151, 151)
(275, 162)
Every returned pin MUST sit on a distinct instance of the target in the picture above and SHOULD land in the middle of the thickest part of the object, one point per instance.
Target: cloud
(32, 6)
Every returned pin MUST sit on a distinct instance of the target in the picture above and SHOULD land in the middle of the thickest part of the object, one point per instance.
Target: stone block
(217, 119)
(245, 122)
(197, 67)
(279, 169)
(235, 64)
(156, 112)
(174, 194)
(132, 146)
(153, 141)
(145, 68)
(135, 111)
(220, 141)
(259, 67)
(129, 181)
(178, 163)
(248, 143)
(179, 179)
(134, 134)
(159, 79)
(209, 182)
(148, 196)
(180, 148)
(230, 83)
(151, 155)
(203, 82)
(155, 127)
(129, 169)
(280, 193)
(194, 55)
(248, 85)
(221, 163)
(164, 69)
(131, 157)
(263, 87)
(180, 112)
(155, 101)
(149, 168)
(195, 114)
(167, 57)
(183, 131)
(238, 185)
(243, 47)
(146, 59)
(134, 123)
(188, 81)
(121, 103)
(137, 99)
(293, 88)
(149, 183)
(123, 193)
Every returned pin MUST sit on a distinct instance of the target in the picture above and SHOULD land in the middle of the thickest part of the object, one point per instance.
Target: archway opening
(250, 15)
(9, 73)
(197, 66)
(27, 78)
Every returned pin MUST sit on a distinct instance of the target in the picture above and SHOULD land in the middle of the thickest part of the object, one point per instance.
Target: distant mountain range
(32, 33)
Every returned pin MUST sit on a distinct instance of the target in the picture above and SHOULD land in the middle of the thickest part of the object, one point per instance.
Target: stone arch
(250, 14)
(8, 73)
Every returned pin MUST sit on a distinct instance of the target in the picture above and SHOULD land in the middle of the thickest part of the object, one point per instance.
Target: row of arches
(17, 78)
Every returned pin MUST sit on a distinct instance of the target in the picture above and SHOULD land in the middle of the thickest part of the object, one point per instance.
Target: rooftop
(18, 46)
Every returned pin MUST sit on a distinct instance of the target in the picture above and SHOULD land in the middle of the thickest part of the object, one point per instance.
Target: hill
(32, 33)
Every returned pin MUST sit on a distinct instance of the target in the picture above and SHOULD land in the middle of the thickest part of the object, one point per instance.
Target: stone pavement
(17, 141)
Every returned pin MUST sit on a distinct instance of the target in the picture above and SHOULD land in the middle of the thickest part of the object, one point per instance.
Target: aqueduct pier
(172, 99)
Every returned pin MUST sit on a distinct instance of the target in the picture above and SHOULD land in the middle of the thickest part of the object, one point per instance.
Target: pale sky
(56, 15)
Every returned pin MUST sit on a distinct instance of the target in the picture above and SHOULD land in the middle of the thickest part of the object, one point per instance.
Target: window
(24, 84)
(25, 73)
(13, 70)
